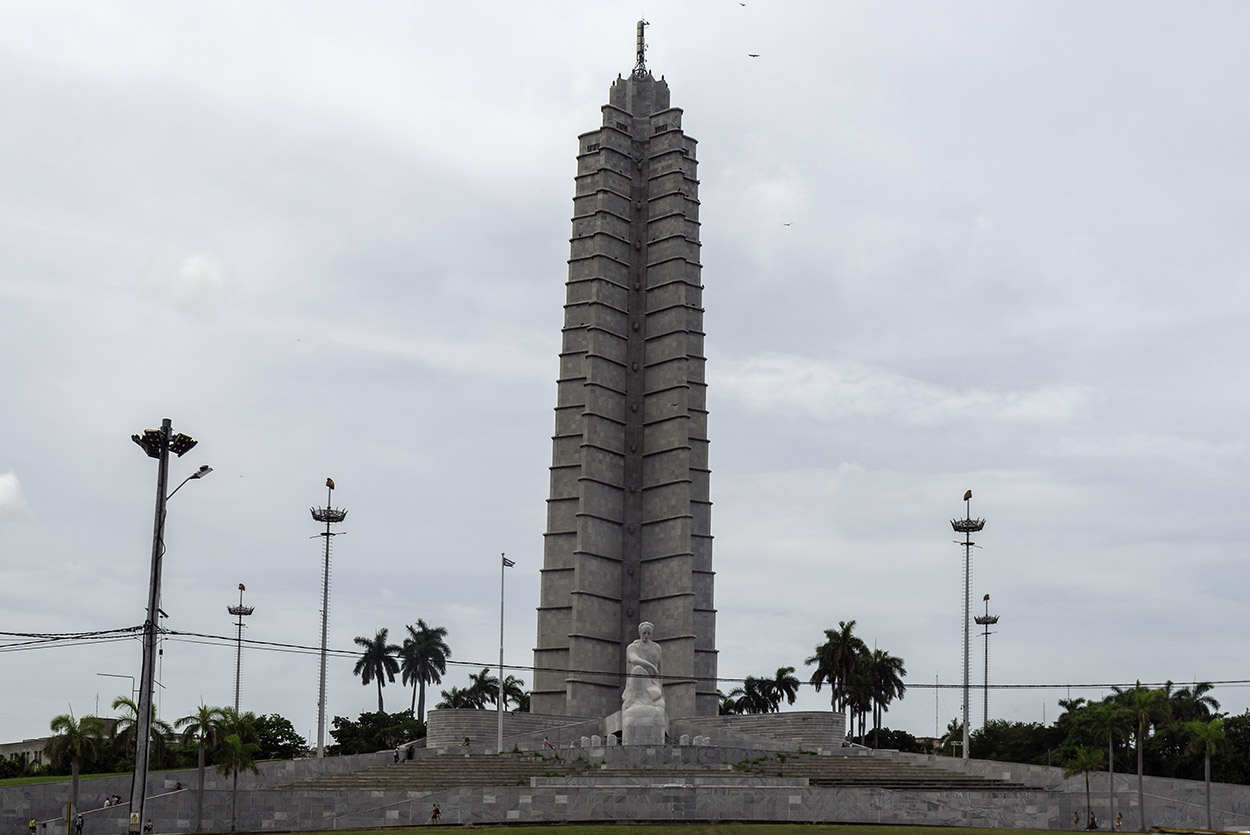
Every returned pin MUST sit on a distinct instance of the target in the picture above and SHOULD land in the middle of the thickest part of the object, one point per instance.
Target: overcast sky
(997, 246)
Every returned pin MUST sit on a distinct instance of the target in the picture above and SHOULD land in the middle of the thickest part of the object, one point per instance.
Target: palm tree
(237, 755)
(204, 726)
(885, 673)
(784, 685)
(835, 662)
(483, 688)
(954, 736)
(457, 699)
(1109, 719)
(513, 691)
(77, 738)
(423, 661)
(1083, 760)
(126, 728)
(728, 704)
(1207, 737)
(1147, 708)
(376, 662)
(752, 696)
(859, 690)
(1191, 703)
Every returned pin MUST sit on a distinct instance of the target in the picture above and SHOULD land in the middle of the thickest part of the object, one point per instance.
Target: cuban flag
(507, 562)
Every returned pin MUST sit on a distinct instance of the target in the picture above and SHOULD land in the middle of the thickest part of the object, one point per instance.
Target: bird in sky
(787, 224)
(753, 55)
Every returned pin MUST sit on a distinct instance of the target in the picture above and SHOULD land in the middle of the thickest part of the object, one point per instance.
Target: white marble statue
(643, 720)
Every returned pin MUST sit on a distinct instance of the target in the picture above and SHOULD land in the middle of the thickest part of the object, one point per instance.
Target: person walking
(436, 814)
(78, 824)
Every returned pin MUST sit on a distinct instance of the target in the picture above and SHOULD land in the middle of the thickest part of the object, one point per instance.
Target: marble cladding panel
(661, 273)
(591, 178)
(603, 473)
(597, 267)
(666, 538)
(682, 199)
(601, 201)
(598, 536)
(601, 371)
(669, 435)
(601, 244)
(603, 432)
(605, 402)
(670, 319)
(557, 585)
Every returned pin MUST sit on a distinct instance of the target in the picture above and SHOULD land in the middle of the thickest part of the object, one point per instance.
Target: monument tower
(629, 519)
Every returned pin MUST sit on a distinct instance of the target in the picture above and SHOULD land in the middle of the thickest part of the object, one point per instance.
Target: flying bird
(753, 55)
(330, 483)
(787, 224)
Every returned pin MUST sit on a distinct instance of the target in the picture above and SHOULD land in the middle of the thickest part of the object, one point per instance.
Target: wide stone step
(449, 771)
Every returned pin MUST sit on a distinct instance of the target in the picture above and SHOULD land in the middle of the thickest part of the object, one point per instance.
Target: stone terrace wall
(810, 730)
(46, 801)
(446, 729)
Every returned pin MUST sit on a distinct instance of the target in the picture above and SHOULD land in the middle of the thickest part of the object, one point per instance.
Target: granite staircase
(447, 771)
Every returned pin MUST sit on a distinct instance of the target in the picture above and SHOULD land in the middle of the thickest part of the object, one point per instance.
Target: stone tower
(629, 519)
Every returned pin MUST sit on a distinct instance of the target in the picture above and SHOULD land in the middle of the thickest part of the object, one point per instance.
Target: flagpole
(499, 707)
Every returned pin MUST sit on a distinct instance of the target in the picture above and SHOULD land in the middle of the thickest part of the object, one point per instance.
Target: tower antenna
(640, 68)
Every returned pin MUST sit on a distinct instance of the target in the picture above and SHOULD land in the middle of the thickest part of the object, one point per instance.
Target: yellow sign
(134, 817)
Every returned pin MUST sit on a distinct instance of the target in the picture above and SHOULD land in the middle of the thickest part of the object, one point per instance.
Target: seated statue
(643, 719)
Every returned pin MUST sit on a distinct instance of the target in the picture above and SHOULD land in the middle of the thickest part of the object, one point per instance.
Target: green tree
(1083, 760)
(377, 662)
(513, 691)
(1206, 738)
(75, 738)
(885, 673)
(1017, 742)
(278, 738)
(728, 704)
(1147, 708)
(374, 732)
(204, 728)
(423, 661)
(835, 662)
(1192, 702)
(1108, 720)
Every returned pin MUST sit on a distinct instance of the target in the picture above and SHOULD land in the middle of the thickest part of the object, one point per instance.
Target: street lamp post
(157, 443)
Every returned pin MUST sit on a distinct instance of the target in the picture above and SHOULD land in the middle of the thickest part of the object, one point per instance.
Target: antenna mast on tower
(640, 68)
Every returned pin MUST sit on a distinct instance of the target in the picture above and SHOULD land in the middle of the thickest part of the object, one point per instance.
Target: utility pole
(157, 443)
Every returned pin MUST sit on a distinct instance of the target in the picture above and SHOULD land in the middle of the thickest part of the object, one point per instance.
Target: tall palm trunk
(1206, 775)
(74, 770)
(421, 700)
(234, 799)
(1141, 788)
(379, 679)
(199, 793)
(1110, 777)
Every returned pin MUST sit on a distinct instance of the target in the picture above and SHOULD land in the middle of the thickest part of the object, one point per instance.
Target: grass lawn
(720, 829)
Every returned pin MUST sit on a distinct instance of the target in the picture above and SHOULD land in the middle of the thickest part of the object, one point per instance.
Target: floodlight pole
(987, 620)
(239, 611)
(967, 526)
(329, 515)
(157, 443)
